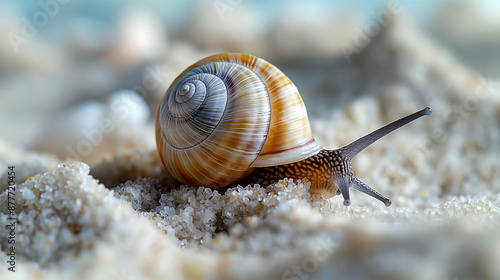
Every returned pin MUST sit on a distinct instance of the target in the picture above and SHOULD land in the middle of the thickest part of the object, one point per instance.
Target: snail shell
(233, 117)
(228, 114)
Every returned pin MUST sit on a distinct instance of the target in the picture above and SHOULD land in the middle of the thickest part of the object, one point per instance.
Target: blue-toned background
(56, 54)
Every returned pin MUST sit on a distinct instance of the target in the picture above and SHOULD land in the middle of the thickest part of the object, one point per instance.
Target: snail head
(343, 176)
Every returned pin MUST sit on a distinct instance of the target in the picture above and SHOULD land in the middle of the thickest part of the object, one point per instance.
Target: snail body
(235, 118)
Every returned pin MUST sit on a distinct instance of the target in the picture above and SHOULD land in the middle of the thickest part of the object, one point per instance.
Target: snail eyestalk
(347, 153)
(351, 150)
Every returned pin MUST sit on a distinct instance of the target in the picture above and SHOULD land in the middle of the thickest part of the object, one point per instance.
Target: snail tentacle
(362, 187)
(351, 150)
(342, 183)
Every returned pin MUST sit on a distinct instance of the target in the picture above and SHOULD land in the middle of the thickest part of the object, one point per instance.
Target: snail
(235, 118)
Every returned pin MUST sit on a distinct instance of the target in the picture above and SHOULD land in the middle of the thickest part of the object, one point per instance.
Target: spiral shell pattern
(227, 114)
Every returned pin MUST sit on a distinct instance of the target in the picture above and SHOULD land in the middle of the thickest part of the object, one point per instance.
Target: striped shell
(228, 114)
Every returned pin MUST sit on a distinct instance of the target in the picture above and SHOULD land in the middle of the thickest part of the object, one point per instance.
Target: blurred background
(65, 65)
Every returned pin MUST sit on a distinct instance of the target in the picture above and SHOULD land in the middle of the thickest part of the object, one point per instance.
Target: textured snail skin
(236, 119)
(319, 169)
(326, 171)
